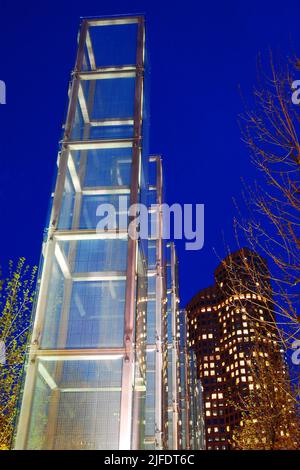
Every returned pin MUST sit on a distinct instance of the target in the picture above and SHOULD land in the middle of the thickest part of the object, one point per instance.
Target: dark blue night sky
(201, 52)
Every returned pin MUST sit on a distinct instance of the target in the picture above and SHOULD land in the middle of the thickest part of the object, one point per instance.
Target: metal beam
(98, 144)
(106, 190)
(114, 21)
(83, 105)
(47, 377)
(80, 354)
(66, 235)
(90, 50)
(62, 261)
(129, 433)
(105, 75)
(99, 276)
(73, 174)
(111, 122)
(91, 390)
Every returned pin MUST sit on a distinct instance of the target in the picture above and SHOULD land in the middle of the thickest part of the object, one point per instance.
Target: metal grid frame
(51, 249)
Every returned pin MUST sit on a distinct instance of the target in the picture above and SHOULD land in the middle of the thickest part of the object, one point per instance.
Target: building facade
(226, 323)
(98, 373)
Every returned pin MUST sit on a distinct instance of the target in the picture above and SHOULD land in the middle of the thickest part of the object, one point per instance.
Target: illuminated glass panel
(120, 44)
(81, 399)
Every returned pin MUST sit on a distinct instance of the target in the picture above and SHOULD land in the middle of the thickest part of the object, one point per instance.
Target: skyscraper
(225, 321)
(97, 370)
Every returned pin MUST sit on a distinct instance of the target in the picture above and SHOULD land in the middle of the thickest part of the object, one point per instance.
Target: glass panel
(153, 222)
(152, 169)
(67, 207)
(91, 316)
(120, 44)
(104, 99)
(170, 400)
(151, 254)
(152, 197)
(150, 395)
(76, 405)
(85, 256)
(69, 321)
(109, 98)
(170, 433)
(54, 304)
(97, 314)
(111, 132)
(112, 98)
(78, 125)
(108, 167)
(151, 321)
(151, 287)
(141, 312)
(89, 218)
(169, 317)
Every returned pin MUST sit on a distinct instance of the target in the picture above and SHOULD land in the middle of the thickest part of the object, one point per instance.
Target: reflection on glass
(76, 405)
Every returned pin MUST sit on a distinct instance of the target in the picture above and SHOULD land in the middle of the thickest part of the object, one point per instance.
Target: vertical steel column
(130, 298)
(174, 349)
(187, 397)
(165, 358)
(158, 319)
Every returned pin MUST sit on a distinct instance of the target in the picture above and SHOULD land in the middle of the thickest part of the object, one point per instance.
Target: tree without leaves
(16, 300)
(270, 224)
(268, 418)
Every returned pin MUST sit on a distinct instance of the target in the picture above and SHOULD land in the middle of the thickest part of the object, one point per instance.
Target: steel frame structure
(52, 250)
(156, 342)
(140, 351)
(173, 347)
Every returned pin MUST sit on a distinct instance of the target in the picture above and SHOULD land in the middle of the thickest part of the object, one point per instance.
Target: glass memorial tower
(97, 368)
